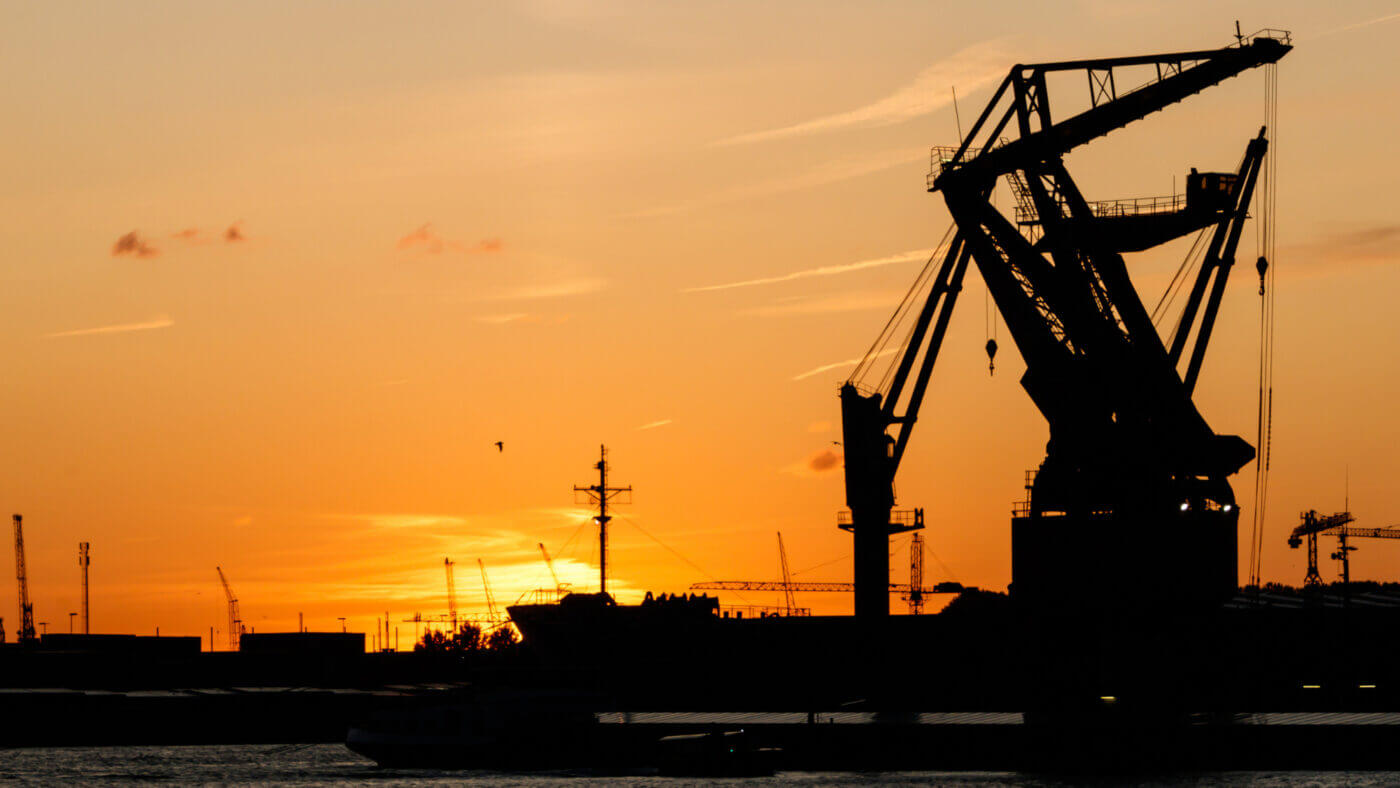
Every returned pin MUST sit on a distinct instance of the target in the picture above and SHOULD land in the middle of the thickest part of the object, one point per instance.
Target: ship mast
(600, 494)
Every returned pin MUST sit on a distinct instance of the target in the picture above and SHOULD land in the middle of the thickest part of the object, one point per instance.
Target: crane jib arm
(1179, 81)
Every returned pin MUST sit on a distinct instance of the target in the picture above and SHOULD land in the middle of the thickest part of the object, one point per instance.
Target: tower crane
(915, 595)
(235, 620)
(1130, 457)
(1336, 525)
(914, 589)
(448, 563)
(1308, 530)
(26, 609)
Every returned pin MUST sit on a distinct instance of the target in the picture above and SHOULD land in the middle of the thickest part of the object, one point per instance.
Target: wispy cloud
(426, 239)
(497, 320)
(653, 425)
(841, 302)
(133, 244)
(850, 362)
(1356, 26)
(163, 321)
(827, 173)
(1342, 247)
(930, 90)
(557, 289)
(826, 270)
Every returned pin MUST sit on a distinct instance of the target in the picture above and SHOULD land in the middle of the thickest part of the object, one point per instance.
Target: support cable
(882, 342)
(1267, 230)
(672, 551)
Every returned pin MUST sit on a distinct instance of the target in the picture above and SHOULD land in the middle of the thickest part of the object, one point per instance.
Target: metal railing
(907, 517)
(761, 611)
(1134, 206)
(1281, 36)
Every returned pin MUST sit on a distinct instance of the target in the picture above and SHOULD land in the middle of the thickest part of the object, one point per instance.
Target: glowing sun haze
(279, 276)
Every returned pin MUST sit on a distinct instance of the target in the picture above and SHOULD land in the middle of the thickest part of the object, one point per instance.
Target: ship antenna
(600, 494)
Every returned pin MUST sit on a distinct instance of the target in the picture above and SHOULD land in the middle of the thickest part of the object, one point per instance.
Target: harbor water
(332, 764)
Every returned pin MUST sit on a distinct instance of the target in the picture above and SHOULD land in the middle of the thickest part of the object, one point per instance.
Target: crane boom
(787, 577)
(26, 609)
(486, 585)
(550, 565)
(235, 619)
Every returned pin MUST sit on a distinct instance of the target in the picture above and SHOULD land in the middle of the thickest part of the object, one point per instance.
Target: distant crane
(1312, 525)
(915, 597)
(448, 563)
(26, 610)
(235, 621)
(787, 578)
(915, 589)
(558, 586)
(490, 598)
(1335, 525)
(83, 562)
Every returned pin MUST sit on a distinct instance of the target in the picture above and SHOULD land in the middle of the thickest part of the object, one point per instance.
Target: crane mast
(26, 609)
(83, 562)
(447, 564)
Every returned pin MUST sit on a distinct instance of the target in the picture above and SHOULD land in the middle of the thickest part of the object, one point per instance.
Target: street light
(70, 622)
(341, 619)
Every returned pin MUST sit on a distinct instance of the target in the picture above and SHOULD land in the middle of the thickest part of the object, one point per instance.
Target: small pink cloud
(234, 233)
(133, 244)
(423, 236)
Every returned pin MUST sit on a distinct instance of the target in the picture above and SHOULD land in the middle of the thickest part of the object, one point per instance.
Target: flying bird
(500, 446)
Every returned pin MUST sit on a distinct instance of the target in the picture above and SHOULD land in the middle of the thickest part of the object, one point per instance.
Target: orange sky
(277, 279)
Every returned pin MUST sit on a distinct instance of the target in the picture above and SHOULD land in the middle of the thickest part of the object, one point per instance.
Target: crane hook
(1262, 266)
(991, 356)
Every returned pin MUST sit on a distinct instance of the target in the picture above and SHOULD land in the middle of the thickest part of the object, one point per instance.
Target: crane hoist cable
(1267, 230)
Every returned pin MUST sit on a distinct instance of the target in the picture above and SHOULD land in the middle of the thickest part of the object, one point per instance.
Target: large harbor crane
(1130, 459)
(26, 608)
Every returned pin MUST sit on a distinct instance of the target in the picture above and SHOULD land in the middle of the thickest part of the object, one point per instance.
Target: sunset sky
(277, 276)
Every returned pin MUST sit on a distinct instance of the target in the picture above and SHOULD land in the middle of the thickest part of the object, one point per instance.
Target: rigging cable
(1267, 230)
(881, 345)
(668, 549)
